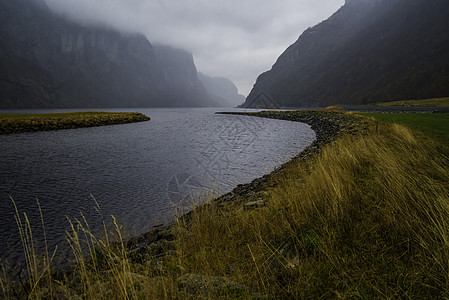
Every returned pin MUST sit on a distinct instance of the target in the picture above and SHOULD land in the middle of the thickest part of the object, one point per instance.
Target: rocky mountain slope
(222, 89)
(368, 51)
(48, 61)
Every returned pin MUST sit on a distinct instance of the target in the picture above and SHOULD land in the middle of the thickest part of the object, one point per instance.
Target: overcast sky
(237, 39)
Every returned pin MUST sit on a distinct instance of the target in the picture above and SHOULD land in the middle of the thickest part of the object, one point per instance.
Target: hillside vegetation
(366, 217)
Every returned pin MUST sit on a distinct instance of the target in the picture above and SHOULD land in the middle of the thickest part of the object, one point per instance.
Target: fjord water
(137, 172)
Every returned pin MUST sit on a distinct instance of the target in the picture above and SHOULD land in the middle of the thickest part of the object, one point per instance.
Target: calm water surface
(137, 172)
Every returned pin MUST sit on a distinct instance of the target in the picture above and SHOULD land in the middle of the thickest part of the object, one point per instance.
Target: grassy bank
(433, 125)
(436, 102)
(18, 123)
(366, 217)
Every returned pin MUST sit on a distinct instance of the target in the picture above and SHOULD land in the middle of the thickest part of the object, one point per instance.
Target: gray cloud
(234, 38)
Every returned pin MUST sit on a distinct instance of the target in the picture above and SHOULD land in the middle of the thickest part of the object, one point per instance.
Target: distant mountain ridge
(368, 51)
(48, 61)
(223, 89)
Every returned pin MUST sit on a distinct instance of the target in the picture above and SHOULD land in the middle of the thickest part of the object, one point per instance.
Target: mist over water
(137, 172)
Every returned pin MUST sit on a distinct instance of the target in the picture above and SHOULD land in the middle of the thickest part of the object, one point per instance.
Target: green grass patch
(437, 102)
(434, 125)
(18, 123)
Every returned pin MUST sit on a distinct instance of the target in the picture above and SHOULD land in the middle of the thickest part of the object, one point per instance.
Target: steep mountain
(48, 61)
(223, 89)
(368, 51)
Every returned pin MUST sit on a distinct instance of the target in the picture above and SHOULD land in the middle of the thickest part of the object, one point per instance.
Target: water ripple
(137, 172)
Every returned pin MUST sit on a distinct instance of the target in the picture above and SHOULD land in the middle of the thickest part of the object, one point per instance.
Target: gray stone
(254, 204)
(194, 284)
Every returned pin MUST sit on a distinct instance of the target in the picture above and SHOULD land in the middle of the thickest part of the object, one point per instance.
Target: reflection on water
(137, 172)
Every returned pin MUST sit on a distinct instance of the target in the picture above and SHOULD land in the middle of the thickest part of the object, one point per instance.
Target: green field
(18, 123)
(437, 102)
(434, 125)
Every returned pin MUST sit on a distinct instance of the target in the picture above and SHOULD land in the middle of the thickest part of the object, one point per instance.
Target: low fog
(234, 39)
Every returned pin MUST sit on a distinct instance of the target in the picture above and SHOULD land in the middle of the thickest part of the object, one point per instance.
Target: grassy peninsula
(362, 214)
(18, 123)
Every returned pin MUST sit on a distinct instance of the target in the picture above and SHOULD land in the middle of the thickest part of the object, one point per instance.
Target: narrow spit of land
(19, 123)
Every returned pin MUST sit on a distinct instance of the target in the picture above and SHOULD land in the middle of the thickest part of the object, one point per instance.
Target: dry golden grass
(334, 108)
(367, 217)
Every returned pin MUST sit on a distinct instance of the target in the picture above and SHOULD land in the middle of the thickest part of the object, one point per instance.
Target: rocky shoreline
(153, 255)
(327, 126)
(159, 245)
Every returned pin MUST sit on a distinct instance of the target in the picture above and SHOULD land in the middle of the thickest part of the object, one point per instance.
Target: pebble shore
(159, 244)
(327, 126)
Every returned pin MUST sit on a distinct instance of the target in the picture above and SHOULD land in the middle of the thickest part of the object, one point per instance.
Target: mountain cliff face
(222, 89)
(47, 61)
(368, 51)
(178, 70)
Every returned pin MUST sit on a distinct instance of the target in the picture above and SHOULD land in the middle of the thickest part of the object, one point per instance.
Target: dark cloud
(237, 39)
